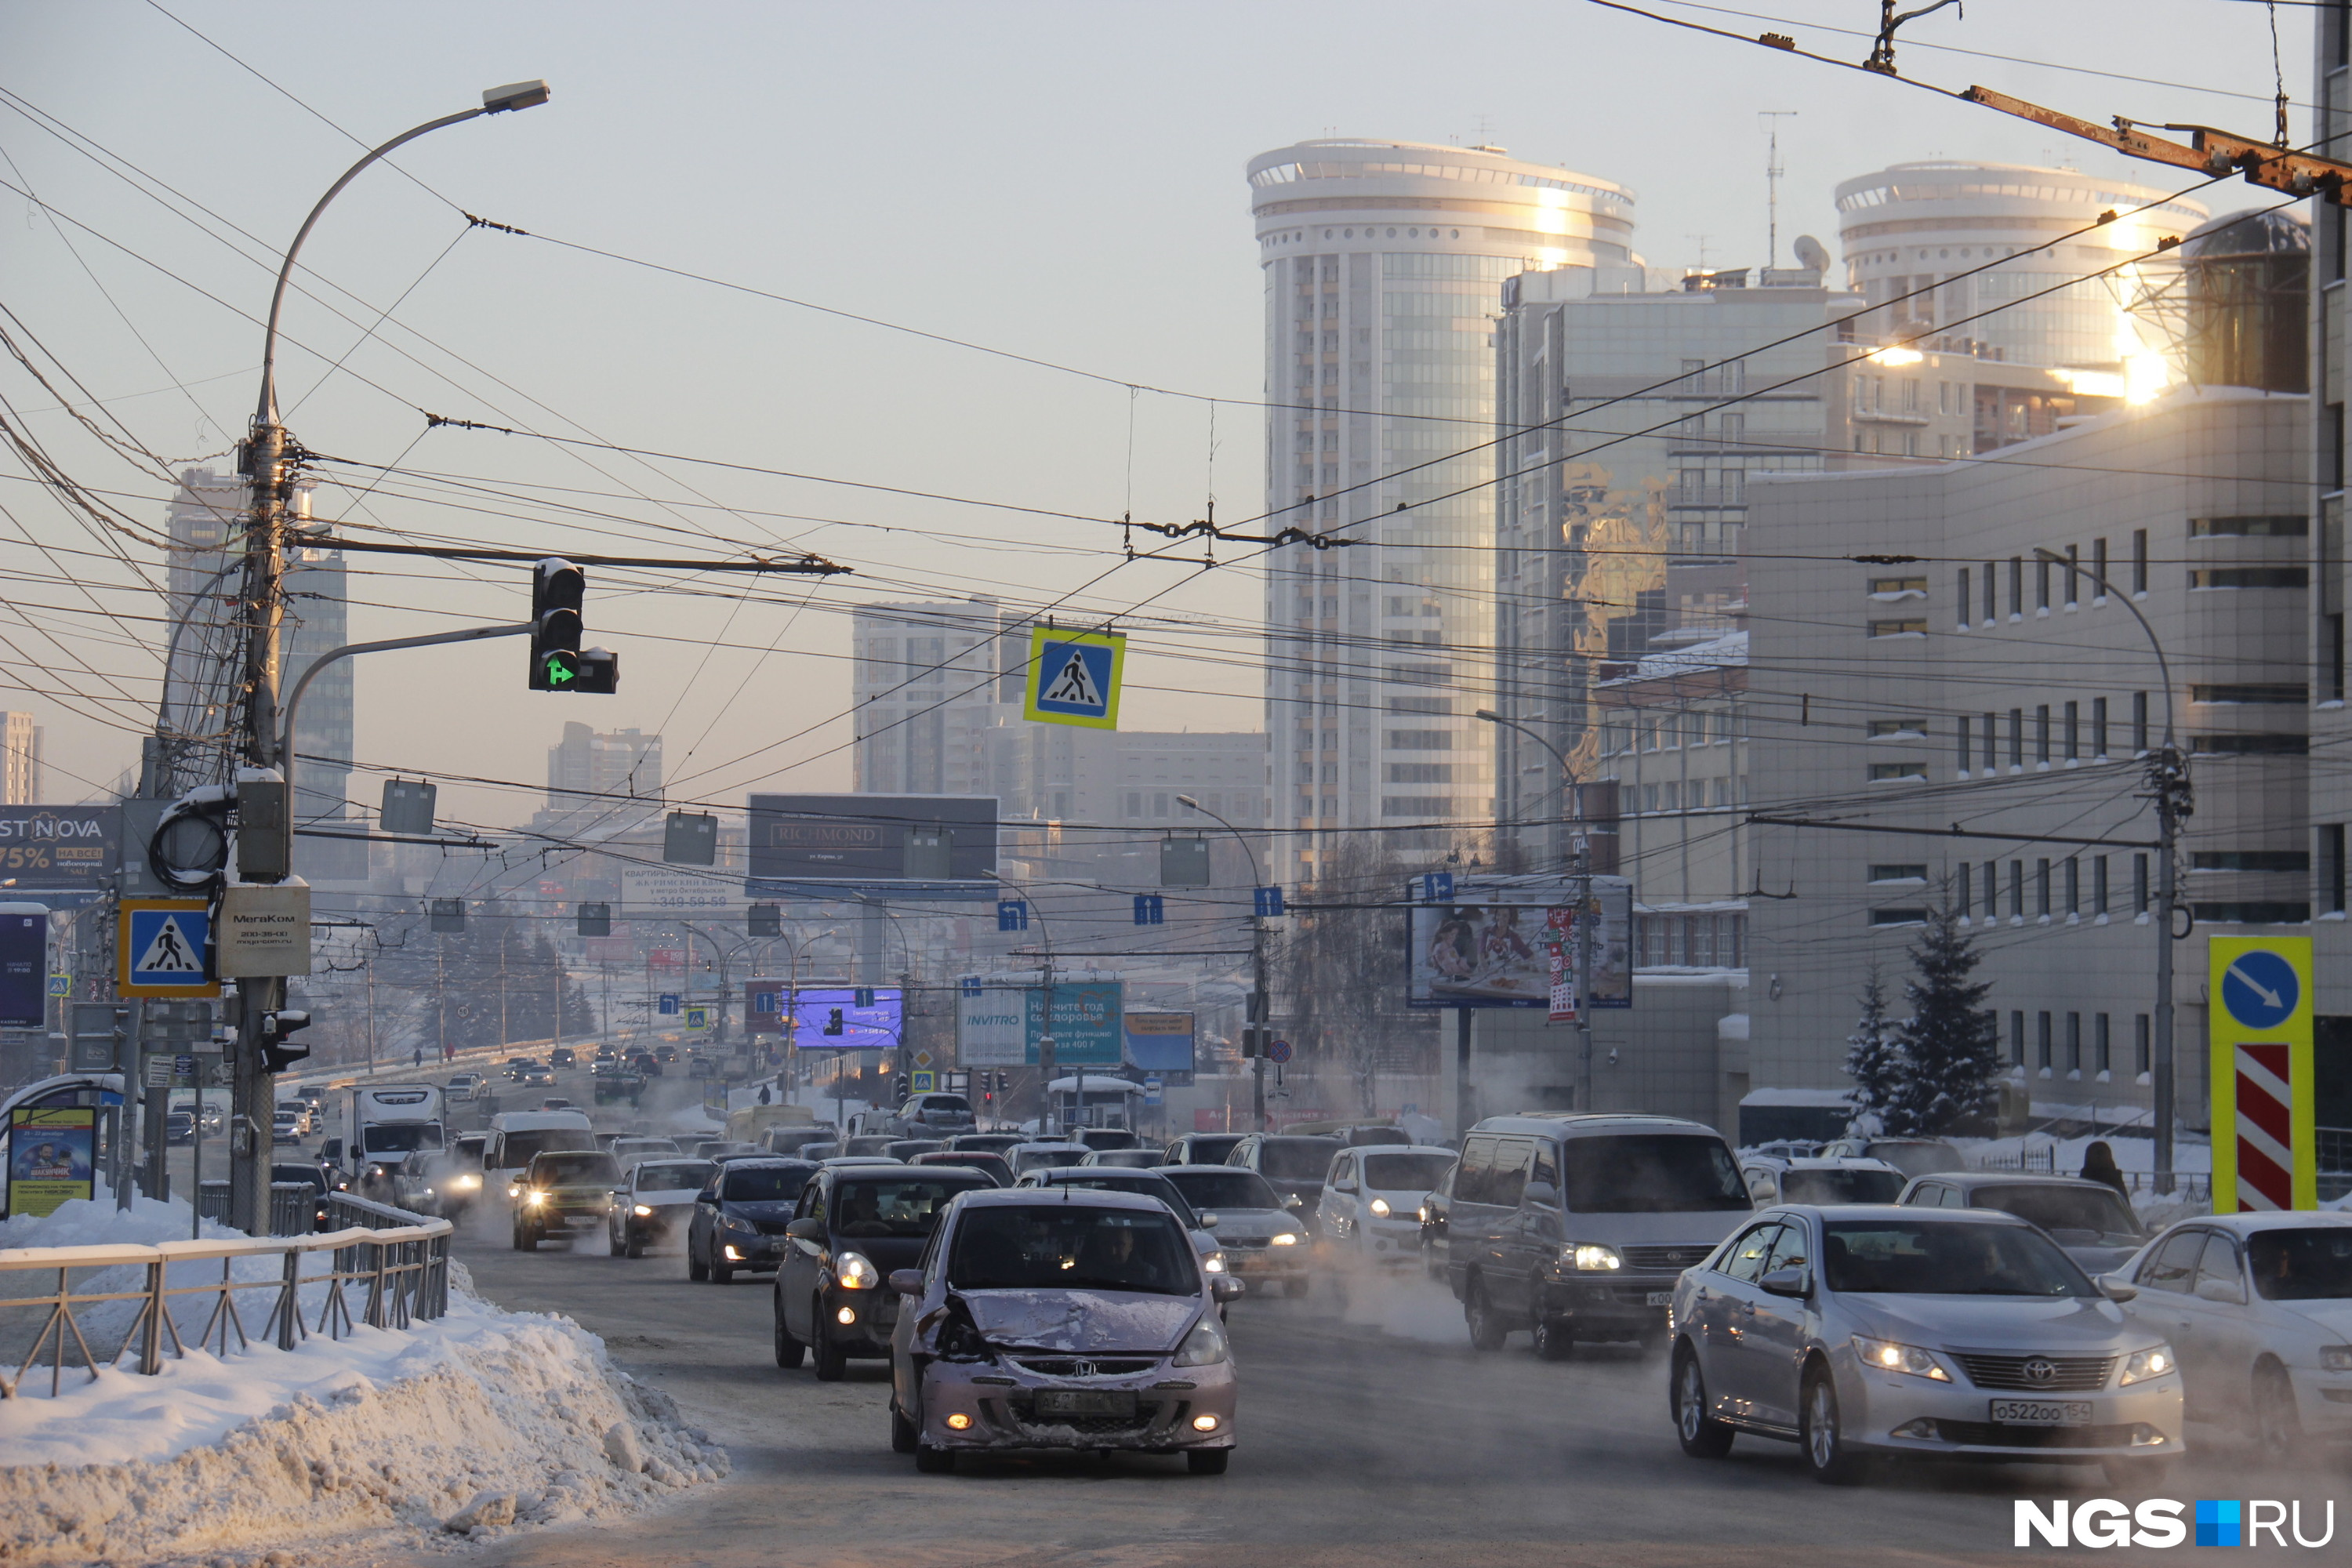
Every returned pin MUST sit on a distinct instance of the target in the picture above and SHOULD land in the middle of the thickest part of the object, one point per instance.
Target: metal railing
(112, 1302)
(293, 1205)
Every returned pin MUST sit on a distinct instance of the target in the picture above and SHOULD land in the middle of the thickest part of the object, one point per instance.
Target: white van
(516, 1135)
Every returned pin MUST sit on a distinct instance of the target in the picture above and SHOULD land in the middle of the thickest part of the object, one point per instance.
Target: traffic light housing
(558, 592)
(277, 1055)
(833, 1023)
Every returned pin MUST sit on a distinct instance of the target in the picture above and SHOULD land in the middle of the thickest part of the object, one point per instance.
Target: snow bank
(478, 1422)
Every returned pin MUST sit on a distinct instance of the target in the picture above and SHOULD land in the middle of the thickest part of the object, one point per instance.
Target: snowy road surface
(1380, 1438)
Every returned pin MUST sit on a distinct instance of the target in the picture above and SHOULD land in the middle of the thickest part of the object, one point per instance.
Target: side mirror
(809, 1229)
(1783, 1282)
(2116, 1287)
(1543, 1193)
(906, 1281)
(2223, 1291)
(1225, 1288)
(1208, 1221)
(1293, 1201)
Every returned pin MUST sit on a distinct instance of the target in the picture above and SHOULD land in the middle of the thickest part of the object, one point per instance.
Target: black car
(666, 1053)
(311, 1177)
(855, 1224)
(620, 1083)
(562, 1057)
(740, 1213)
(1294, 1165)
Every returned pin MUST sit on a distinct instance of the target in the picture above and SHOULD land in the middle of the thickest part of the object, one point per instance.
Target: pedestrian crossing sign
(162, 948)
(698, 1017)
(1075, 677)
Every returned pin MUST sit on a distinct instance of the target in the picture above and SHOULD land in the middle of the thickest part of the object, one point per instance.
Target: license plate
(2041, 1412)
(1085, 1402)
(1659, 1299)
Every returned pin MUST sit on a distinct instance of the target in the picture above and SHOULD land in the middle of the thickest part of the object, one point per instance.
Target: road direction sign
(669, 1001)
(2265, 1144)
(1075, 677)
(2259, 988)
(160, 946)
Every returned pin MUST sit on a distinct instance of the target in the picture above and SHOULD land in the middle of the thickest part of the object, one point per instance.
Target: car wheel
(695, 1270)
(634, 1247)
(1554, 1339)
(2278, 1426)
(720, 1273)
(789, 1350)
(1487, 1332)
(905, 1436)
(1821, 1437)
(526, 1239)
(1702, 1435)
(1208, 1461)
(832, 1366)
(933, 1461)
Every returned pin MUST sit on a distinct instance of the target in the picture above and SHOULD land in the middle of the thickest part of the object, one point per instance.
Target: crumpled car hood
(1081, 1320)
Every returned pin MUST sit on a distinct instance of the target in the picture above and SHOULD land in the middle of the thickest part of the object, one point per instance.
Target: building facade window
(2016, 587)
(2139, 724)
(2042, 1041)
(2074, 886)
(2102, 1044)
(1964, 890)
(1991, 742)
(2139, 883)
(2017, 890)
(2042, 735)
(2016, 1038)
(2041, 889)
(1991, 890)
(1963, 587)
(2099, 885)
(2099, 728)
(2099, 565)
(2017, 737)
(2331, 868)
(2074, 1042)
(2073, 731)
(1963, 735)
(2141, 1050)
(2139, 561)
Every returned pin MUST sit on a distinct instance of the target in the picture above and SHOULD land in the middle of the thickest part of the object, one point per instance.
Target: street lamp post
(262, 601)
(1257, 1002)
(1045, 1036)
(2169, 787)
(1586, 912)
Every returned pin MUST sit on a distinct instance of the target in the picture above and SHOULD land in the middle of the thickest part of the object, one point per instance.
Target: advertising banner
(833, 1018)
(883, 845)
(52, 1157)
(1161, 1045)
(654, 893)
(260, 931)
(1001, 1025)
(1494, 946)
(67, 849)
(24, 966)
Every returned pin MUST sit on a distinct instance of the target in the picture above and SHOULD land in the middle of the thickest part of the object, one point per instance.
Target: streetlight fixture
(1258, 1003)
(263, 461)
(2169, 785)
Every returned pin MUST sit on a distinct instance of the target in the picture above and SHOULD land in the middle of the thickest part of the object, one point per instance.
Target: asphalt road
(1372, 1435)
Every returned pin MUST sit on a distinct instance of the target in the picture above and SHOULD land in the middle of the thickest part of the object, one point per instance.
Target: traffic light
(833, 1024)
(558, 663)
(276, 1056)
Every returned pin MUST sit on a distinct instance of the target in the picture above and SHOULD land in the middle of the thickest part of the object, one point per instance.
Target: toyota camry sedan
(1073, 1319)
(1863, 1331)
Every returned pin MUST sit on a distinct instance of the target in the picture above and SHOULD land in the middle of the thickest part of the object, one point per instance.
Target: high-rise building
(927, 682)
(20, 759)
(591, 769)
(1915, 227)
(1384, 263)
(202, 521)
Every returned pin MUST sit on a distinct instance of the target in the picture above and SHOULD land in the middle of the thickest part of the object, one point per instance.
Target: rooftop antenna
(1773, 173)
(1702, 250)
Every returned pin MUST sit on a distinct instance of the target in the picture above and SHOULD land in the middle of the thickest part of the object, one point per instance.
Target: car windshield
(1831, 1187)
(1296, 1159)
(2313, 1265)
(1070, 1247)
(1947, 1257)
(1209, 1192)
(760, 1184)
(1651, 1173)
(522, 1146)
(303, 1173)
(1150, 1187)
(906, 1206)
(1213, 1149)
(2080, 1217)
(672, 1175)
(1404, 1172)
(575, 1170)
(1047, 1159)
(402, 1137)
(953, 1104)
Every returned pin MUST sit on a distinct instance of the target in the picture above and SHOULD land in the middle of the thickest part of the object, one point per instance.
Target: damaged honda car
(1083, 1319)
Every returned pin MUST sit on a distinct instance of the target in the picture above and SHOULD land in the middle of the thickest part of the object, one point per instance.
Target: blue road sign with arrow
(2259, 990)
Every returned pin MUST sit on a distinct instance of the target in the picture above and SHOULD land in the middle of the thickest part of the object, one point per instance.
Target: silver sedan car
(1866, 1329)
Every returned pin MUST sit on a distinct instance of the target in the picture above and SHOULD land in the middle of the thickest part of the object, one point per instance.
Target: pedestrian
(765, 1098)
(2099, 1165)
(416, 1057)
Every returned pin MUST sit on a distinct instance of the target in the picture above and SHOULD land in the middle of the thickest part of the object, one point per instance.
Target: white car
(463, 1086)
(2260, 1308)
(1371, 1201)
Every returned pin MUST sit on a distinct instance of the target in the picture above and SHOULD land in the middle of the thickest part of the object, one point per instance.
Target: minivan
(1576, 1225)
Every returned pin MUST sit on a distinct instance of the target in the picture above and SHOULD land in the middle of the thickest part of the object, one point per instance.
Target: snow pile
(476, 1424)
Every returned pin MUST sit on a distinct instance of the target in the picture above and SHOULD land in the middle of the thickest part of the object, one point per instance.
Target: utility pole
(1258, 1025)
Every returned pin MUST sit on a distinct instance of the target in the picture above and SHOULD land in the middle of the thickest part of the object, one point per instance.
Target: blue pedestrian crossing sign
(161, 947)
(1075, 677)
(698, 1017)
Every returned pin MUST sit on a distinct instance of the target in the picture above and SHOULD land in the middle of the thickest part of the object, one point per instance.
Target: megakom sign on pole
(2265, 1153)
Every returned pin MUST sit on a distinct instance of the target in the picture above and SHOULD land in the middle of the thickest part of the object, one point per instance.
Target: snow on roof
(1730, 648)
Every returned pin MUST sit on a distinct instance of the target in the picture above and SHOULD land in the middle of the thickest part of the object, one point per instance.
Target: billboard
(24, 966)
(877, 1027)
(999, 1023)
(1161, 1043)
(57, 849)
(841, 845)
(52, 1157)
(664, 892)
(1492, 946)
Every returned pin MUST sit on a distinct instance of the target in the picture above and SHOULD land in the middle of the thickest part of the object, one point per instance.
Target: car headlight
(514, 1192)
(1422, 1214)
(2336, 1358)
(2158, 1359)
(643, 1210)
(1379, 1208)
(1590, 1257)
(1285, 1239)
(468, 1183)
(1205, 1346)
(854, 1272)
(534, 1197)
(1214, 1262)
(1885, 1355)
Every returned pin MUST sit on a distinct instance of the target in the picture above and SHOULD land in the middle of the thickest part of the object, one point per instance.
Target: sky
(1061, 182)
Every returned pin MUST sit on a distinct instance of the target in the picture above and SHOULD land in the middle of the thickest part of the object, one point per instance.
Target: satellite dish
(1810, 254)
